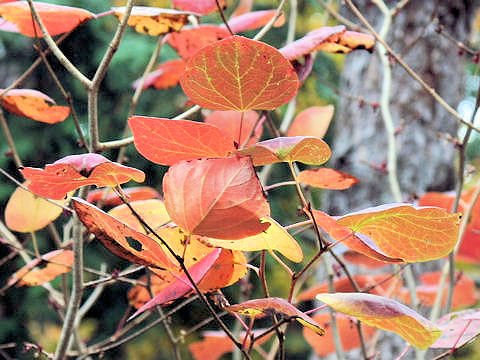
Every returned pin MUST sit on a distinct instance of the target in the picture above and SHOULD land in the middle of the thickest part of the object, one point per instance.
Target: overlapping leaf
(239, 74)
(34, 105)
(203, 7)
(386, 314)
(119, 238)
(357, 258)
(306, 149)
(326, 178)
(313, 121)
(74, 171)
(152, 211)
(110, 198)
(165, 76)
(220, 198)
(154, 21)
(275, 237)
(404, 231)
(253, 20)
(40, 271)
(458, 329)
(57, 19)
(274, 305)
(325, 346)
(166, 141)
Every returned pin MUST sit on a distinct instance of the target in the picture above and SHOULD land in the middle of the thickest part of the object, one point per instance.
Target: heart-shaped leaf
(34, 105)
(274, 305)
(239, 74)
(313, 121)
(275, 237)
(306, 149)
(386, 314)
(166, 141)
(326, 178)
(220, 198)
(202, 7)
(458, 329)
(74, 171)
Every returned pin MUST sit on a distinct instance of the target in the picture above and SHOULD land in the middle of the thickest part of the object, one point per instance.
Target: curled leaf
(253, 20)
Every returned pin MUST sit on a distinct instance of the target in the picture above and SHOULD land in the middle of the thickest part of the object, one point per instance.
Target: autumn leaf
(191, 39)
(220, 198)
(167, 141)
(359, 259)
(111, 198)
(406, 232)
(326, 178)
(181, 286)
(347, 330)
(253, 20)
(243, 7)
(34, 105)
(306, 149)
(121, 239)
(347, 42)
(458, 329)
(386, 314)
(165, 76)
(74, 171)
(274, 305)
(26, 212)
(247, 125)
(45, 269)
(152, 20)
(313, 121)
(203, 7)
(57, 19)
(275, 237)
(237, 73)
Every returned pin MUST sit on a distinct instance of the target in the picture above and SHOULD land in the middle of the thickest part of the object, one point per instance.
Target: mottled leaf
(326, 178)
(165, 76)
(306, 149)
(386, 314)
(313, 121)
(239, 74)
(220, 198)
(166, 141)
(202, 7)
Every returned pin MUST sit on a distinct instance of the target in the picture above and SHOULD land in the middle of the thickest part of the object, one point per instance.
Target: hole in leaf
(134, 244)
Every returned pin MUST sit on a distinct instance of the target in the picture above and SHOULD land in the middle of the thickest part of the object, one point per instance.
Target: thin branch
(224, 19)
(269, 25)
(341, 19)
(9, 138)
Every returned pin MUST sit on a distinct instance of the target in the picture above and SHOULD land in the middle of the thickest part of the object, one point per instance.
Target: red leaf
(203, 7)
(57, 262)
(74, 171)
(326, 178)
(166, 141)
(306, 149)
(458, 328)
(165, 76)
(119, 238)
(230, 123)
(219, 198)
(189, 40)
(254, 20)
(313, 121)
(34, 105)
(182, 285)
(239, 74)
(56, 18)
(110, 198)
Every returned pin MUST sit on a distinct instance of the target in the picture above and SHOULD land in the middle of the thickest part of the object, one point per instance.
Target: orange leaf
(243, 7)
(56, 18)
(166, 141)
(385, 282)
(438, 199)
(313, 121)
(326, 178)
(403, 231)
(119, 238)
(26, 212)
(458, 329)
(253, 20)
(347, 42)
(110, 198)
(347, 330)
(356, 258)
(346, 236)
(40, 271)
(463, 291)
(306, 149)
(191, 39)
(74, 171)
(165, 76)
(220, 198)
(275, 237)
(152, 211)
(154, 21)
(386, 314)
(273, 305)
(34, 105)
(239, 74)
(202, 7)
(229, 123)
